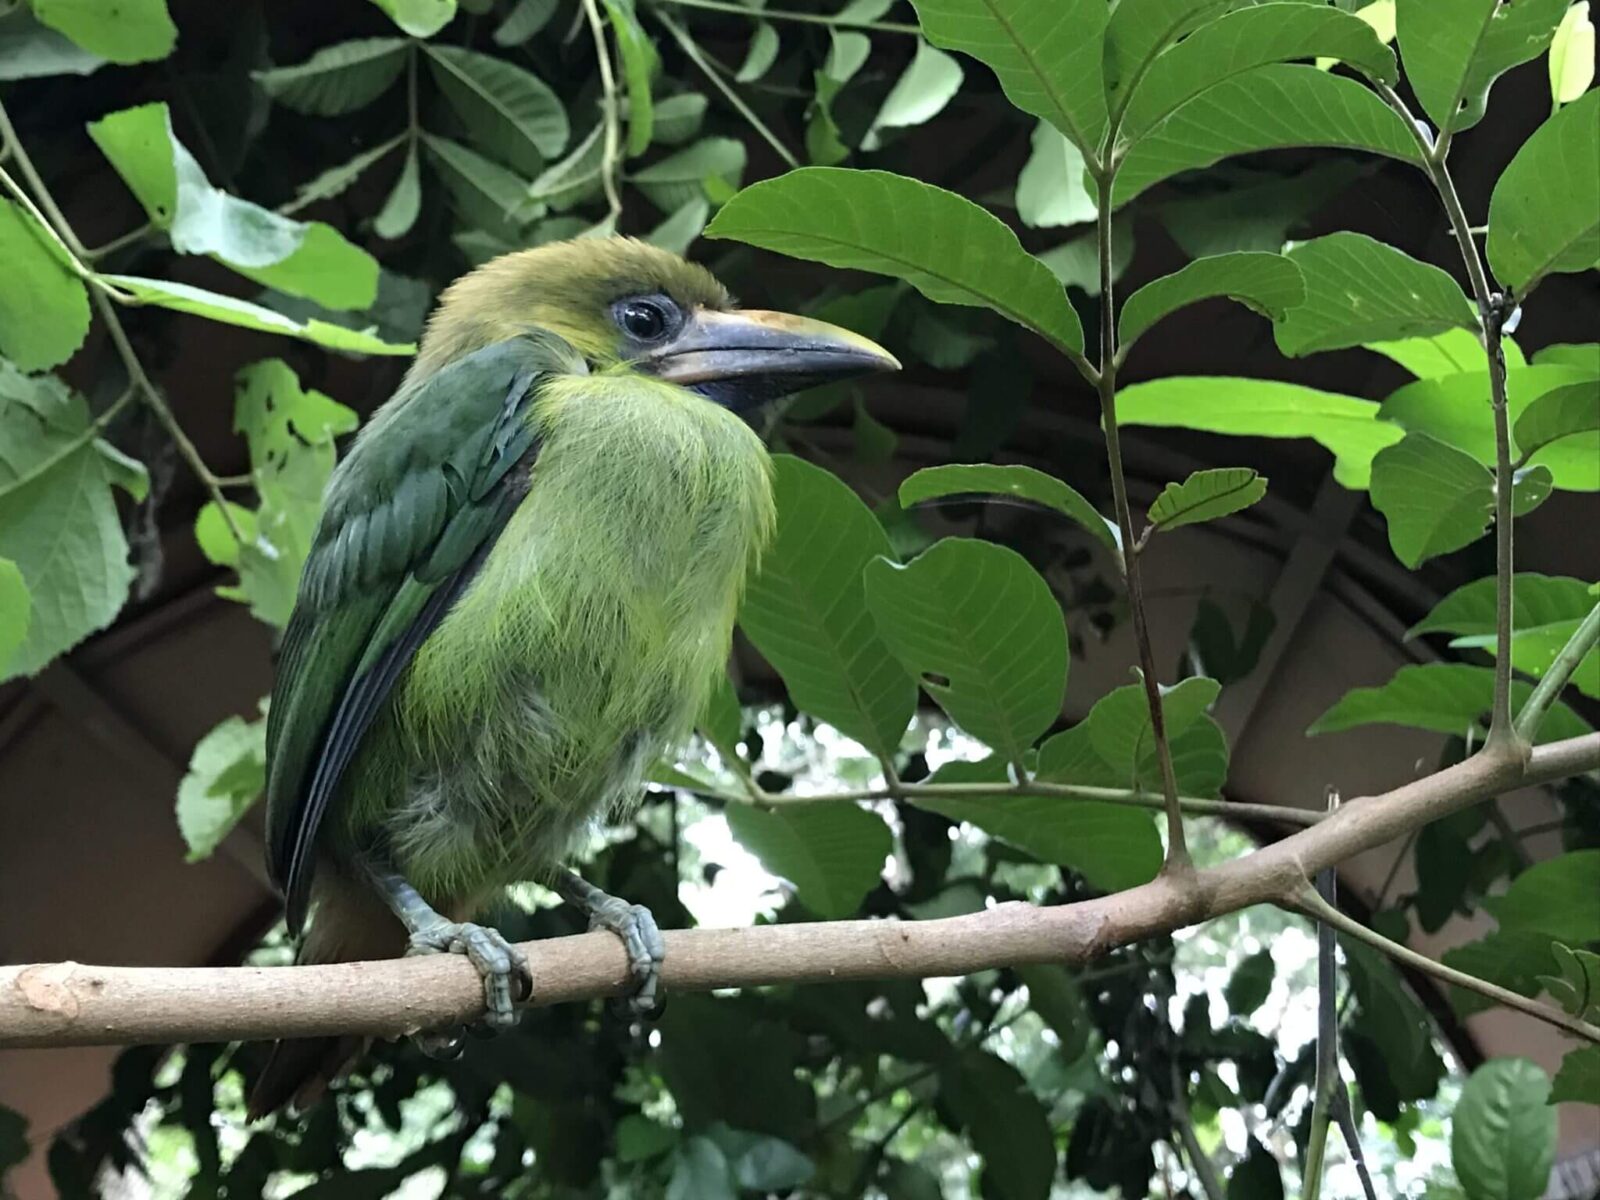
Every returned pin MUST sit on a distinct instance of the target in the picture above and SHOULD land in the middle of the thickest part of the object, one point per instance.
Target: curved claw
(503, 968)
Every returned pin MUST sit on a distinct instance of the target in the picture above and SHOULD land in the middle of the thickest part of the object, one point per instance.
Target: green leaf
(639, 63)
(982, 632)
(180, 297)
(1564, 412)
(527, 18)
(120, 31)
(1138, 31)
(338, 179)
(1544, 215)
(227, 772)
(1449, 353)
(1359, 290)
(485, 193)
(1578, 1080)
(1054, 994)
(1347, 427)
(419, 18)
(29, 50)
(1435, 498)
(1244, 40)
(678, 118)
(1205, 496)
(1113, 846)
(761, 1163)
(1050, 189)
(1250, 984)
(1559, 897)
(1025, 483)
(700, 1172)
(946, 247)
(399, 212)
(508, 111)
(1512, 958)
(677, 179)
(1572, 58)
(679, 230)
(758, 59)
(1456, 410)
(919, 95)
(832, 853)
(326, 268)
(806, 610)
(1257, 1176)
(1577, 988)
(1258, 210)
(1119, 724)
(1008, 1127)
(14, 613)
(1047, 56)
(1263, 109)
(1546, 610)
(575, 178)
(1444, 697)
(1455, 49)
(44, 308)
(1503, 1134)
(1269, 284)
(337, 79)
(58, 516)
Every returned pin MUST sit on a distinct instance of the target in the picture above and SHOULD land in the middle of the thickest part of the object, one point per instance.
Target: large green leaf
(15, 607)
(1246, 39)
(832, 853)
(1119, 724)
(1456, 409)
(1138, 31)
(44, 309)
(1047, 56)
(181, 297)
(419, 18)
(1544, 215)
(122, 31)
(227, 772)
(1559, 898)
(946, 247)
(1503, 1133)
(58, 515)
(1024, 483)
(1435, 498)
(337, 79)
(1442, 697)
(1564, 412)
(1455, 49)
(1205, 496)
(1546, 609)
(1263, 109)
(1447, 353)
(1269, 284)
(920, 94)
(982, 632)
(807, 613)
(1344, 425)
(1359, 290)
(508, 111)
(1113, 846)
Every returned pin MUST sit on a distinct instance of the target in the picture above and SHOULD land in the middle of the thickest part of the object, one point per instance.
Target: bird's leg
(635, 925)
(504, 968)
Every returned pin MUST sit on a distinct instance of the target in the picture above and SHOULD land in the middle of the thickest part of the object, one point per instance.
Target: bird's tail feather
(351, 925)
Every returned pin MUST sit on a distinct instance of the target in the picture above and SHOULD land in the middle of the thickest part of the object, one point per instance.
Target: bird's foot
(506, 979)
(641, 939)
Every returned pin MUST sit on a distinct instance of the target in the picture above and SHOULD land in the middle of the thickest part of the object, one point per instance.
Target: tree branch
(66, 1004)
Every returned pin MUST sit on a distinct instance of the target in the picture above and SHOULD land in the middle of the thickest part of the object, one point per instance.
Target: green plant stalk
(1503, 735)
(53, 220)
(695, 56)
(783, 14)
(1313, 905)
(611, 157)
(1178, 858)
(1583, 639)
(1327, 1076)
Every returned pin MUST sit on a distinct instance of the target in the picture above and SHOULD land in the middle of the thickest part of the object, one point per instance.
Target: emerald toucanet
(521, 589)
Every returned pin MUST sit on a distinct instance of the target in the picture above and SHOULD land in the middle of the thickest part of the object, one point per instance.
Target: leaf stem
(1311, 904)
(784, 14)
(611, 157)
(699, 59)
(92, 431)
(1178, 859)
(1583, 640)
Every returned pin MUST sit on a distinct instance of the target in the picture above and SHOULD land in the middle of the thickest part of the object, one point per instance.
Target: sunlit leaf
(1454, 50)
(44, 309)
(1050, 189)
(1269, 284)
(120, 31)
(1449, 353)
(919, 95)
(227, 772)
(1537, 227)
(758, 59)
(1572, 55)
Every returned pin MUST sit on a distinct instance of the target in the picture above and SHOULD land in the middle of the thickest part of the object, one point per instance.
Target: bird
(520, 591)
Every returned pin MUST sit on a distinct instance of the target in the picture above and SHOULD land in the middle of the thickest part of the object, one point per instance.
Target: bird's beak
(745, 358)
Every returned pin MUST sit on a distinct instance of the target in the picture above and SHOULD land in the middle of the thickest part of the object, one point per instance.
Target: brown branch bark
(70, 1004)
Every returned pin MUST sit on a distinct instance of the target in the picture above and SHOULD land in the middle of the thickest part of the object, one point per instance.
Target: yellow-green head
(626, 305)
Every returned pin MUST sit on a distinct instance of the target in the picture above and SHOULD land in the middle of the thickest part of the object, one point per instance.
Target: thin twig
(695, 56)
(611, 151)
(132, 237)
(784, 14)
(1327, 1076)
(1582, 641)
(1178, 859)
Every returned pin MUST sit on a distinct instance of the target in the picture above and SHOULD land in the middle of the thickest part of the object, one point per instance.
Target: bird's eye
(645, 320)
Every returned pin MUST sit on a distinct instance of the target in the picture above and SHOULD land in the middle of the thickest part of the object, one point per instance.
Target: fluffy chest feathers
(586, 644)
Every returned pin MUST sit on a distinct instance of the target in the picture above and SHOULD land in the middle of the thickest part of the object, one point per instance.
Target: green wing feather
(409, 516)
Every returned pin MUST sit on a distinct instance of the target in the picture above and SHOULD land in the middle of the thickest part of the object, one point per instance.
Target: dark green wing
(410, 514)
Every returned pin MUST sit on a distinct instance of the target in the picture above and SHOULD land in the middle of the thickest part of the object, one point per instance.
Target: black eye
(645, 320)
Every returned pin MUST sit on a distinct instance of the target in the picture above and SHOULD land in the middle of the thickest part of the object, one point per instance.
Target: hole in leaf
(933, 679)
